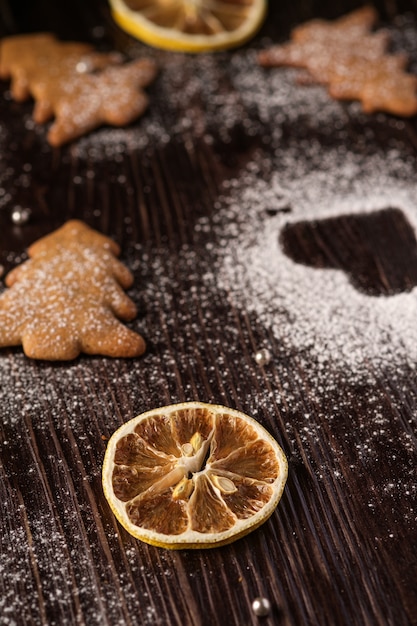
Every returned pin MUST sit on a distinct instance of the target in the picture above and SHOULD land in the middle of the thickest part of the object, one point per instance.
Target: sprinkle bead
(263, 356)
(261, 607)
(20, 215)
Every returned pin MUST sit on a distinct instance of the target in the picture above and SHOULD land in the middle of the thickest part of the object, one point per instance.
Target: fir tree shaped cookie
(352, 60)
(74, 85)
(68, 298)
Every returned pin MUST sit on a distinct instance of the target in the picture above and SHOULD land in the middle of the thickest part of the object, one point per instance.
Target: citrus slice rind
(222, 24)
(193, 475)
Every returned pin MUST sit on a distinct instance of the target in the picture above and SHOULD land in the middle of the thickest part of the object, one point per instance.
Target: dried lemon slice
(193, 475)
(190, 25)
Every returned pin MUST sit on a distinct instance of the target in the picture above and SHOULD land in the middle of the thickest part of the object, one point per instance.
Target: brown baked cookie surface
(352, 60)
(73, 84)
(68, 298)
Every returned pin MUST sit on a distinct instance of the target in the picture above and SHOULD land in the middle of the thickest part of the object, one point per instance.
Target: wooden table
(341, 547)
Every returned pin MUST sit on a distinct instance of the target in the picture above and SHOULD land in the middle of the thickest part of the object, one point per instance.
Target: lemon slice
(193, 475)
(190, 25)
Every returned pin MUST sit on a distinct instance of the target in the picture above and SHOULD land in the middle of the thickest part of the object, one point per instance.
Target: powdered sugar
(318, 309)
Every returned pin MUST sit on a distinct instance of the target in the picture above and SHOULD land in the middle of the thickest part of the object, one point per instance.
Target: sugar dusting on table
(309, 309)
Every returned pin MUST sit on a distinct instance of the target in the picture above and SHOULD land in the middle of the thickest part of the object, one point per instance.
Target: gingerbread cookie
(68, 298)
(351, 60)
(380, 85)
(80, 87)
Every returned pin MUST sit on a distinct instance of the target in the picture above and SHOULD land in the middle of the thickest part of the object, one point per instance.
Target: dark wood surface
(341, 547)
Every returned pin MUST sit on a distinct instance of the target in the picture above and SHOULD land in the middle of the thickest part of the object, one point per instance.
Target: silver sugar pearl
(83, 66)
(261, 607)
(263, 356)
(20, 215)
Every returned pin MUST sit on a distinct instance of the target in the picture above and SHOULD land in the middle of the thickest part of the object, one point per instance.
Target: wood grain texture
(340, 548)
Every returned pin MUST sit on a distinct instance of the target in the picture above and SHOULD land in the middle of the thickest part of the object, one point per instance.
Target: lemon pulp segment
(190, 25)
(193, 475)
